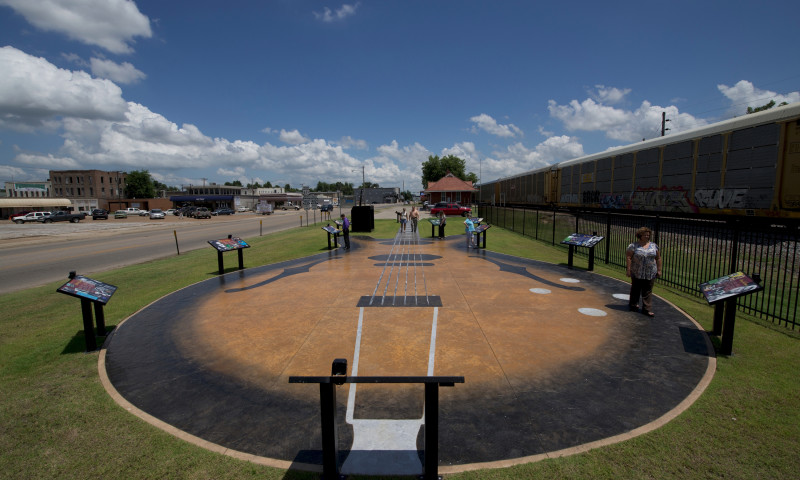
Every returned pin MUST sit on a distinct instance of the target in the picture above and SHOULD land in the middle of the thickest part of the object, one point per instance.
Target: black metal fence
(693, 250)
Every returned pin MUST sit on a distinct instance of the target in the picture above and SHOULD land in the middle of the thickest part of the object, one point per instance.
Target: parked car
(187, 211)
(120, 214)
(202, 212)
(326, 208)
(450, 209)
(156, 213)
(132, 211)
(289, 206)
(99, 213)
(143, 213)
(171, 211)
(62, 216)
(223, 211)
(30, 217)
(242, 209)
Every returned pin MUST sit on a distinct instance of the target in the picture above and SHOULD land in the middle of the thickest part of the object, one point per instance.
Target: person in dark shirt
(346, 232)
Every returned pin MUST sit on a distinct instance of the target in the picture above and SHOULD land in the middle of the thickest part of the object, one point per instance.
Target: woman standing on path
(643, 265)
(442, 222)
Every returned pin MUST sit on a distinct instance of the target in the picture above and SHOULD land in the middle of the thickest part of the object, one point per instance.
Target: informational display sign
(332, 230)
(482, 228)
(582, 240)
(228, 244)
(84, 287)
(729, 286)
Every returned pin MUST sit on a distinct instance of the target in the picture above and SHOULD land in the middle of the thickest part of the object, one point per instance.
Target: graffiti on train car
(664, 199)
(592, 196)
(721, 198)
(616, 201)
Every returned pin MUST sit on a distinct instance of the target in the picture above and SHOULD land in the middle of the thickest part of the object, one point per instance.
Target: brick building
(88, 189)
(451, 189)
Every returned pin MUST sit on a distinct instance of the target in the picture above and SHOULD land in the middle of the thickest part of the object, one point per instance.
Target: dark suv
(99, 213)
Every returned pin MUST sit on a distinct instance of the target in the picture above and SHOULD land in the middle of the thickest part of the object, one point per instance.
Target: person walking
(403, 220)
(442, 223)
(470, 231)
(414, 216)
(346, 232)
(643, 266)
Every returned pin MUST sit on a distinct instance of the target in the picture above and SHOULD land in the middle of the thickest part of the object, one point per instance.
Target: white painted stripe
(432, 352)
(351, 398)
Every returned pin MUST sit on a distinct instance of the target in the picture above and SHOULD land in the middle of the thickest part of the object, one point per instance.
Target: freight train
(748, 165)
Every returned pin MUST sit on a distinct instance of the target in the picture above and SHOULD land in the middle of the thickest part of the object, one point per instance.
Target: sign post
(226, 245)
(582, 240)
(723, 292)
(90, 292)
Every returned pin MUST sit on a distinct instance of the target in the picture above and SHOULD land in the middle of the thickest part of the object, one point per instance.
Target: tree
(235, 183)
(139, 184)
(436, 168)
(764, 107)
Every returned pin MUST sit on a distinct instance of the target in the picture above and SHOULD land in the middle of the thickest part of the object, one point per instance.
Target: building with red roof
(451, 189)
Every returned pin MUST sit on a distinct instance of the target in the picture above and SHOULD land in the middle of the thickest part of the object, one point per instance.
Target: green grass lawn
(56, 420)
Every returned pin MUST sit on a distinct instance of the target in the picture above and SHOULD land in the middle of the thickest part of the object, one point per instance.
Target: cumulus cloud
(465, 151)
(488, 124)
(231, 172)
(109, 24)
(620, 124)
(50, 161)
(518, 158)
(123, 73)
(34, 92)
(745, 93)
(328, 16)
(293, 137)
(350, 142)
(609, 95)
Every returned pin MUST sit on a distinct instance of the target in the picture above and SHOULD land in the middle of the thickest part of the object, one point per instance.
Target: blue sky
(301, 91)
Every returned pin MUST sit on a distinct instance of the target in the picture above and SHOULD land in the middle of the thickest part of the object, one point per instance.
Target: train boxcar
(745, 166)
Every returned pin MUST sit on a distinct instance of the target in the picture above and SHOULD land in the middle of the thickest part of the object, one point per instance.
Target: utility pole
(664, 121)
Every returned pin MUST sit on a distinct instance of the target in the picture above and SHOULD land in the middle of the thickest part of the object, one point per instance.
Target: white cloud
(467, 152)
(619, 124)
(234, 172)
(124, 73)
(328, 16)
(55, 163)
(350, 142)
(745, 93)
(488, 124)
(293, 137)
(33, 92)
(110, 24)
(9, 172)
(609, 95)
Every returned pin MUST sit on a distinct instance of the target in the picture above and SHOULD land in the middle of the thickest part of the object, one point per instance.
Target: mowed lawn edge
(57, 421)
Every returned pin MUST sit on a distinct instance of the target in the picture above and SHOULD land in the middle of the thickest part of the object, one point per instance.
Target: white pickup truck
(31, 217)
